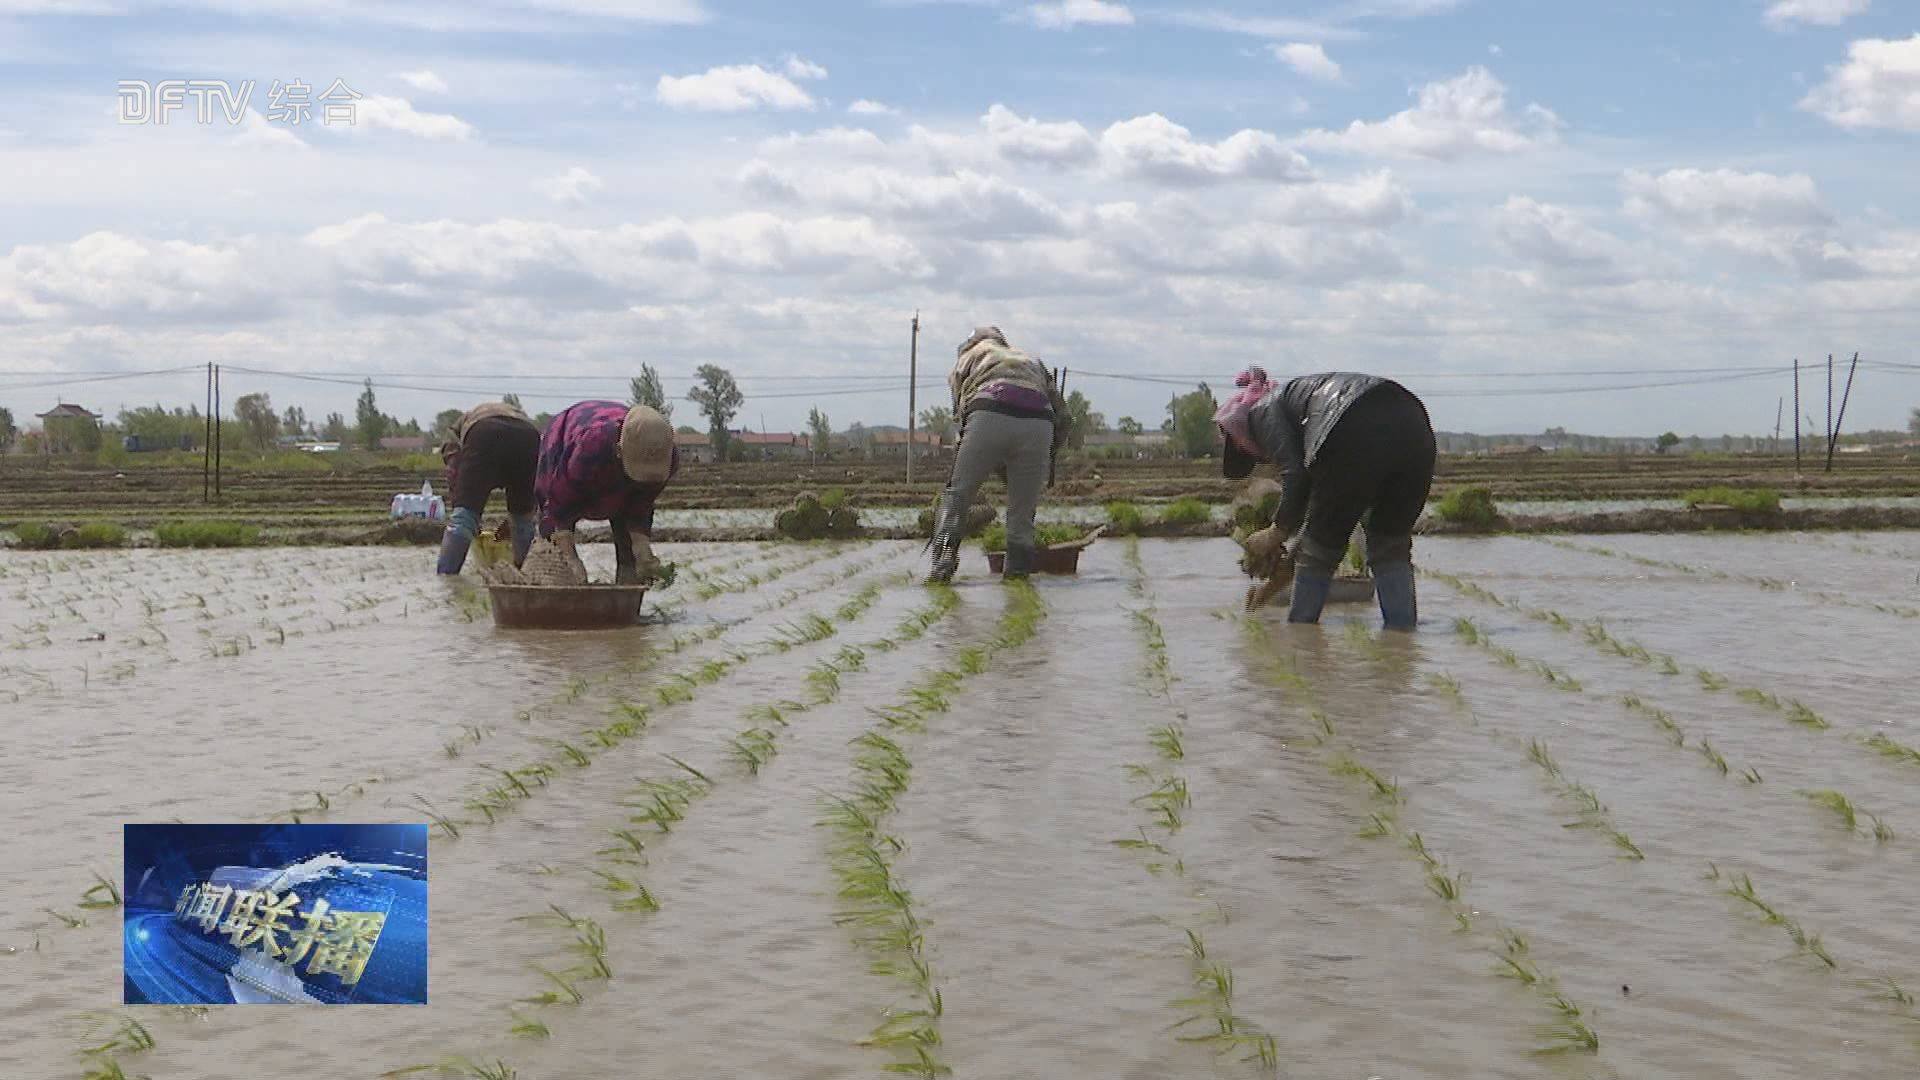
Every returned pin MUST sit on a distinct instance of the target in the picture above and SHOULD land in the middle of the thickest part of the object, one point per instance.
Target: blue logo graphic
(276, 914)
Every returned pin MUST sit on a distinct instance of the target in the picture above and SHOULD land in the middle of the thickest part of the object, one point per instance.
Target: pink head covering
(1233, 415)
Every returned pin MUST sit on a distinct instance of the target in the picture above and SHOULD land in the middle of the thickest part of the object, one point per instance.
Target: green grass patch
(38, 536)
(994, 537)
(1747, 500)
(1469, 506)
(1188, 511)
(206, 534)
(1124, 519)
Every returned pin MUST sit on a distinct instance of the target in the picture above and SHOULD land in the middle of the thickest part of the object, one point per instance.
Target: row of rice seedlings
(103, 1059)
(1849, 814)
(1740, 887)
(1470, 632)
(1569, 1031)
(1795, 711)
(1591, 812)
(1713, 573)
(876, 904)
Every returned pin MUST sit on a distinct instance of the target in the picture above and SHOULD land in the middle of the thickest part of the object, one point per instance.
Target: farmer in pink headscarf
(1350, 449)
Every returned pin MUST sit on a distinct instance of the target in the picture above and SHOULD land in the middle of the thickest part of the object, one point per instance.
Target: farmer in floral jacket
(604, 461)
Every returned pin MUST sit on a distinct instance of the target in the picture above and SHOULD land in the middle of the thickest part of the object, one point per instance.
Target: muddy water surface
(1318, 763)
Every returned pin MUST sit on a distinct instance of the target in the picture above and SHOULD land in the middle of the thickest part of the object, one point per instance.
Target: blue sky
(1463, 193)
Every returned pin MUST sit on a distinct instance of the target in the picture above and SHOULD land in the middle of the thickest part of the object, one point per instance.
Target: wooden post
(1829, 411)
(913, 379)
(1779, 408)
(1842, 418)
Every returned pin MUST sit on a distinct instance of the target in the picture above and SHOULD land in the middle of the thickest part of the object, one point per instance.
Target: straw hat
(646, 445)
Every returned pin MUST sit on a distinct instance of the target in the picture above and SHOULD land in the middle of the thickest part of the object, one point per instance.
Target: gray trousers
(1022, 444)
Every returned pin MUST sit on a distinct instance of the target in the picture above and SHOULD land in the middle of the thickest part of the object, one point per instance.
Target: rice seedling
(1892, 991)
(752, 748)
(73, 922)
(103, 894)
(1713, 756)
(131, 1037)
(1448, 887)
(1882, 744)
(527, 1027)
(1800, 714)
(1166, 740)
(563, 991)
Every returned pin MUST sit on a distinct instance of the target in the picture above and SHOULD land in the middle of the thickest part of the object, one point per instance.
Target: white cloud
(1786, 13)
(1460, 116)
(424, 81)
(1067, 14)
(1554, 236)
(967, 200)
(1877, 87)
(1034, 141)
(435, 15)
(573, 187)
(1724, 196)
(732, 88)
(799, 68)
(868, 107)
(1279, 28)
(1155, 147)
(1494, 50)
(398, 114)
(1309, 60)
(257, 130)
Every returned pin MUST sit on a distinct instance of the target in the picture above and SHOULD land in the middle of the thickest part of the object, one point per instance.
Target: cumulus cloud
(257, 130)
(732, 88)
(1724, 196)
(1451, 119)
(868, 107)
(573, 187)
(1155, 147)
(1877, 87)
(424, 81)
(1034, 141)
(966, 200)
(398, 114)
(1554, 236)
(799, 68)
(1786, 13)
(1067, 14)
(1310, 60)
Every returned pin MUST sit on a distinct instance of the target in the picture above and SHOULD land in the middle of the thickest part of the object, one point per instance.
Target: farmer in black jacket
(1351, 450)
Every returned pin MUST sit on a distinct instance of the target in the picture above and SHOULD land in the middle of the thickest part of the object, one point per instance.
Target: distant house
(769, 445)
(693, 446)
(894, 443)
(404, 444)
(69, 429)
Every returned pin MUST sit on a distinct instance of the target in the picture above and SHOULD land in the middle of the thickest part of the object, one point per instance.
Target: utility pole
(217, 432)
(206, 444)
(913, 379)
(1796, 417)
(1829, 411)
(1779, 408)
(1842, 418)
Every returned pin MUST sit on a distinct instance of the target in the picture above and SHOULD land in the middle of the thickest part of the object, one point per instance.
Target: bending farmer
(600, 460)
(493, 446)
(1349, 448)
(1006, 406)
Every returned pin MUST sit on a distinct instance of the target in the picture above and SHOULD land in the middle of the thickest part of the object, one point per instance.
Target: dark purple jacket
(580, 477)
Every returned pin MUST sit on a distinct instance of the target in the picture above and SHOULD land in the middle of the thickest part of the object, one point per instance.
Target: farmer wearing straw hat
(1009, 410)
(1349, 447)
(493, 446)
(601, 460)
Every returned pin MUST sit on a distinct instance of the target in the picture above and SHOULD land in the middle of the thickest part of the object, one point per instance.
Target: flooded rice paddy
(1625, 807)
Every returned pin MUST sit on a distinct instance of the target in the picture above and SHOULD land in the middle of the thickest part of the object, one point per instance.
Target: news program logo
(265, 914)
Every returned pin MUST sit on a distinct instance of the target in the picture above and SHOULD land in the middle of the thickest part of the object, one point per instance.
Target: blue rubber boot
(1393, 584)
(462, 527)
(523, 532)
(1311, 586)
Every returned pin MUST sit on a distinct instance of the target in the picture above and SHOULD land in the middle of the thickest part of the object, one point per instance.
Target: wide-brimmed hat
(646, 445)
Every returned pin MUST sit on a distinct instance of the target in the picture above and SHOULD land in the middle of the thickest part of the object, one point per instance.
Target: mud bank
(1688, 521)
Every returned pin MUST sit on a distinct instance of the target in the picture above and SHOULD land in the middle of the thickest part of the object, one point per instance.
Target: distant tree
(819, 433)
(684, 429)
(9, 434)
(719, 398)
(1667, 441)
(937, 421)
(369, 422)
(1694, 445)
(1190, 417)
(258, 421)
(858, 440)
(335, 430)
(155, 425)
(446, 424)
(1129, 426)
(72, 434)
(294, 421)
(646, 390)
(1913, 422)
(1080, 416)
(513, 400)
